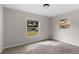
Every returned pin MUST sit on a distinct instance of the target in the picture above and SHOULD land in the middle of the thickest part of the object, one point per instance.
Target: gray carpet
(45, 47)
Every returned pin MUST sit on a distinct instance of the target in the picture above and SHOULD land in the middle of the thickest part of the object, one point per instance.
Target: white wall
(14, 27)
(1, 29)
(70, 35)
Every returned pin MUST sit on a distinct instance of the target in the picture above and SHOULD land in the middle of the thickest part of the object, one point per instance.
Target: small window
(64, 23)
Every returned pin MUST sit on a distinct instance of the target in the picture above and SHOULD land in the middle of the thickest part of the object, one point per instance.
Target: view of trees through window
(32, 27)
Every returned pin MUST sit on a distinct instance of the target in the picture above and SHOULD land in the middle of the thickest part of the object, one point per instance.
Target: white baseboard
(20, 44)
(69, 42)
(14, 45)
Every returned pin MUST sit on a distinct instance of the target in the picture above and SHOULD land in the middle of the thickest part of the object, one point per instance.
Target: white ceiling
(53, 10)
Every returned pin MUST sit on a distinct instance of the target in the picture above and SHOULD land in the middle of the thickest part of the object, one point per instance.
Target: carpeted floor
(45, 47)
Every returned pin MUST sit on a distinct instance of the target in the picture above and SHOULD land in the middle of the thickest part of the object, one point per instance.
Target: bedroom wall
(1, 29)
(70, 35)
(14, 27)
